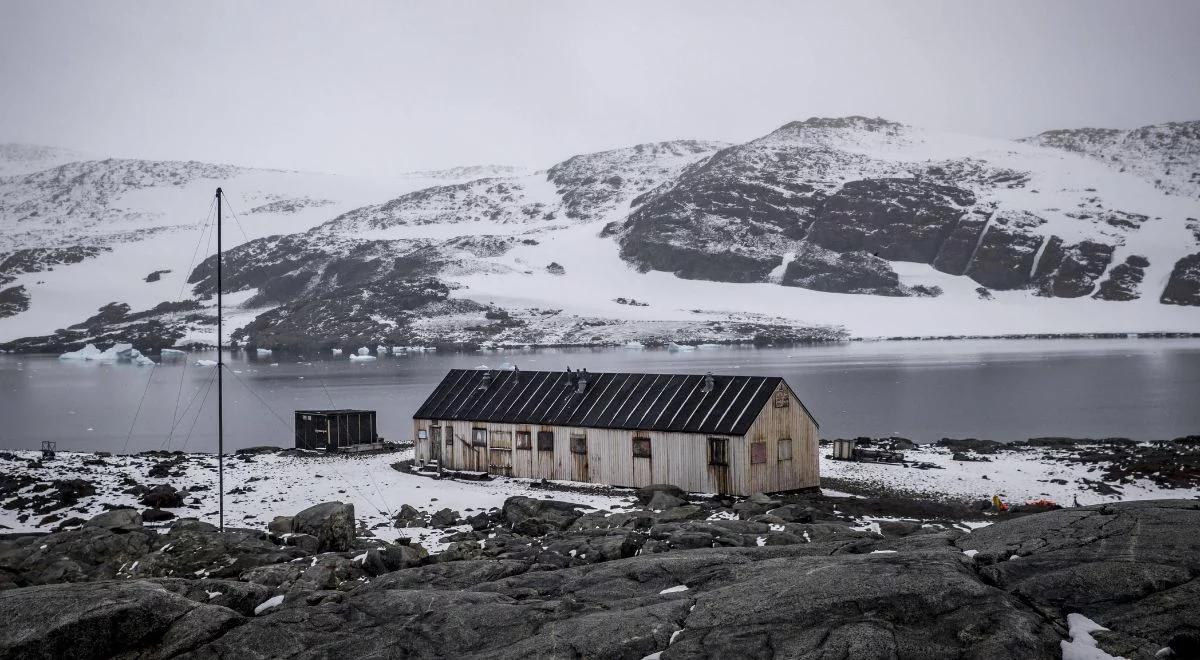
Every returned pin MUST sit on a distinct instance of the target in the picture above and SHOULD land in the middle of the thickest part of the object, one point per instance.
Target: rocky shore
(760, 577)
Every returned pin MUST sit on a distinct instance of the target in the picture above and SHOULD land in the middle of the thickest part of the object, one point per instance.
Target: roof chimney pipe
(710, 383)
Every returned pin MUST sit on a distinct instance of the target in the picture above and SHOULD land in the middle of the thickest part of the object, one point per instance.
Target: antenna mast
(220, 383)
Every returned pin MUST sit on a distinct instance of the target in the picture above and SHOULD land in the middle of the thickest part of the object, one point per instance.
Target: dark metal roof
(339, 411)
(641, 402)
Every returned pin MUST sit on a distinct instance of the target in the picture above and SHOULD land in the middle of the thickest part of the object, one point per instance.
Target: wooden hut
(734, 435)
(337, 430)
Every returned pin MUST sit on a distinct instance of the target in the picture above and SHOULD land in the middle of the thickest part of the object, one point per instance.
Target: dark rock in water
(1183, 287)
(162, 496)
(647, 493)
(106, 620)
(550, 514)
(1123, 280)
(156, 515)
(331, 522)
(444, 518)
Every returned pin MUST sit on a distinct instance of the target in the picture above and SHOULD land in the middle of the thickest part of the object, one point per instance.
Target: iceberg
(381, 349)
(337, 351)
(679, 348)
(364, 351)
(262, 352)
(172, 353)
(86, 353)
(206, 363)
(361, 358)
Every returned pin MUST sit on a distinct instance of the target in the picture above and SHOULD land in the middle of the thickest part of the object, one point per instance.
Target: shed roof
(339, 411)
(633, 401)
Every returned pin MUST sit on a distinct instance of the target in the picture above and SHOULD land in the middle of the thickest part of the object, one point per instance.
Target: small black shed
(335, 430)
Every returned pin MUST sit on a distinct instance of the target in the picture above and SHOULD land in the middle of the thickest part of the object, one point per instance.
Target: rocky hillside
(928, 233)
(1166, 154)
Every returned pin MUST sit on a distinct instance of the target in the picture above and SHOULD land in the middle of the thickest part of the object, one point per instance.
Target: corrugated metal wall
(676, 458)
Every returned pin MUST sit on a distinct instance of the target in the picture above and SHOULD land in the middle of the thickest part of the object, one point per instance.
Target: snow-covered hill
(866, 225)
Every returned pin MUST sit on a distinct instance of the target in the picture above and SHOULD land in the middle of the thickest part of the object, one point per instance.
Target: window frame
(500, 440)
(716, 457)
(479, 436)
(545, 441)
(523, 440)
(784, 442)
(758, 452)
(646, 444)
(579, 443)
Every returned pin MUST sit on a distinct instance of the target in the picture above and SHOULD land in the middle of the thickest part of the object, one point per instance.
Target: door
(435, 443)
(579, 457)
(643, 461)
(500, 453)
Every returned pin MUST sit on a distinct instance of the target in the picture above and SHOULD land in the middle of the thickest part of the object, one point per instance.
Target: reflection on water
(925, 390)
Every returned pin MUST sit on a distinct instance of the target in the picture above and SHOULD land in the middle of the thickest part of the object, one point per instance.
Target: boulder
(331, 522)
(409, 516)
(281, 525)
(646, 493)
(106, 620)
(117, 520)
(157, 515)
(444, 518)
(536, 514)
(162, 496)
(663, 500)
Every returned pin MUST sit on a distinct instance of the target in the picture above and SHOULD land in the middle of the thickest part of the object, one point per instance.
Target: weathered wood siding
(773, 424)
(676, 458)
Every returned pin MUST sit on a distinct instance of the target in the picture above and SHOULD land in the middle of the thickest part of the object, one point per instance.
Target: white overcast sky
(385, 87)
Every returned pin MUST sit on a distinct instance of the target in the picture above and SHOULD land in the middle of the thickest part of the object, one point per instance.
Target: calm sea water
(925, 390)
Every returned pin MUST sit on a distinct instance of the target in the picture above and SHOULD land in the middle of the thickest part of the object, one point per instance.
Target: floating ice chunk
(679, 348)
(262, 351)
(337, 351)
(172, 353)
(708, 347)
(362, 358)
(267, 604)
(206, 363)
(85, 353)
(364, 351)
(381, 349)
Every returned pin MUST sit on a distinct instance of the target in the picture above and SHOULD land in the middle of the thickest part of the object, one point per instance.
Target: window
(718, 451)
(578, 443)
(785, 449)
(781, 398)
(641, 447)
(422, 434)
(449, 435)
(545, 440)
(479, 437)
(501, 440)
(758, 452)
(523, 440)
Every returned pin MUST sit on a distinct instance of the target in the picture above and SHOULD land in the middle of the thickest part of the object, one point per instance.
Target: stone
(117, 520)
(331, 522)
(548, 514)
(157, 515)
(662, 501)
(1183, 285)
(281, 525)
(444, 518)
(162, 496)
(646, 493)
(409, 516)
(106, 620)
